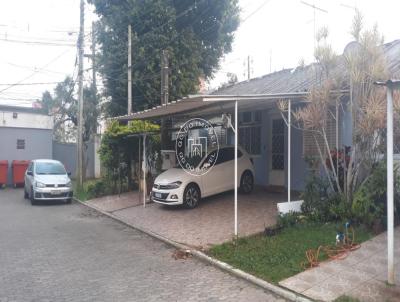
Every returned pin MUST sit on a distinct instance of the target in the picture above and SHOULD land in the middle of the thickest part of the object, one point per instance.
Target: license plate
(54, 192)
(158, 195)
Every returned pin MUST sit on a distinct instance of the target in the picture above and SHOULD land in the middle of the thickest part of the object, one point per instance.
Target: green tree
(196, 34)
(63, 106)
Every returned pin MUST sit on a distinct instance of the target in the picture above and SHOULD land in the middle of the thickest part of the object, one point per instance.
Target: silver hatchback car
(47, 179)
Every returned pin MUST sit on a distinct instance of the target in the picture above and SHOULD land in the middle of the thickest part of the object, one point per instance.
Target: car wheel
(191, 196)
(68, 201)
(32, 198)
(246, 182)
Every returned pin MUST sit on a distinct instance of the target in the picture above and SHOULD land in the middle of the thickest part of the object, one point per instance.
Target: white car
(46, 179)
(176, 186)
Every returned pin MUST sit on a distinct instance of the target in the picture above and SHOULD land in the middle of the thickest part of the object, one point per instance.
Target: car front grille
(162, 187)
(48, 195)
(163, 196)
(55, 186)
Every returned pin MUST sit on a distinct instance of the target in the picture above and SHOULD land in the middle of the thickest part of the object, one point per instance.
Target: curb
(287, 294)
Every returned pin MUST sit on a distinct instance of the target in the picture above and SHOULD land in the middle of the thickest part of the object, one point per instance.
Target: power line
(39, 43)
(255, 11)
(35, 72)
(34, 68)
(19, 99)
(29, 84)
(39, 39)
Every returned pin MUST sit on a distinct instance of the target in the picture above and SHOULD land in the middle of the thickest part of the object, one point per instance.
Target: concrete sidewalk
(361, 275)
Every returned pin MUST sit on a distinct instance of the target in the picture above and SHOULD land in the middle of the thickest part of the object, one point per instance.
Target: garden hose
(344, 245)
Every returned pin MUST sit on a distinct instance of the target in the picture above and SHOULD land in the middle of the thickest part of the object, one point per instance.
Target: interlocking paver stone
(212, 222)
(70, 253)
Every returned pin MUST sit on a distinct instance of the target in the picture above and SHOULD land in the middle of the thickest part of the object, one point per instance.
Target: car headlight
(68, 184)
(40, 185)
(173, 185)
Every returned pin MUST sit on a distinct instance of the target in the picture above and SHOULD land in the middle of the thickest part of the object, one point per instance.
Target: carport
(207, 105)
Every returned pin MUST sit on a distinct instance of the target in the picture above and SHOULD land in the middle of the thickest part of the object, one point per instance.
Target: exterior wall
(298, 165)
(347, 128)
(97, 163)
(66, 153)
(25, 120)
(262, 162)
(38, 144)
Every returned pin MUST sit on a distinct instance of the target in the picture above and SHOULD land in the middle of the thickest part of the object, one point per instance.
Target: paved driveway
(212, 222)
(69, 253)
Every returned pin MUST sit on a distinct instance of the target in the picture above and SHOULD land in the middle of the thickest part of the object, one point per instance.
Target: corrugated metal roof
(207, 103)
(302, 79)
(13, 108)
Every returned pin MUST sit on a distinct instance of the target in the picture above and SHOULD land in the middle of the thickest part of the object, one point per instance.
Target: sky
(37, 39)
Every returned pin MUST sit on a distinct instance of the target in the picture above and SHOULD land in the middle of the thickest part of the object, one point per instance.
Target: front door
(277, 152)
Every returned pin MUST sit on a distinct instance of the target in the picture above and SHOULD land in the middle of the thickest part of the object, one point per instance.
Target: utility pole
(79, 170)
(129, 69)
(164, 78)
(94, 60)
(164, 96)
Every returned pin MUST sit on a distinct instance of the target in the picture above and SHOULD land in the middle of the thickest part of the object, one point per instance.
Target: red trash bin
(18, 170)
(3, 172)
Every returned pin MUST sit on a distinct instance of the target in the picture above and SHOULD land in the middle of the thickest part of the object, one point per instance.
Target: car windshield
(52, 168)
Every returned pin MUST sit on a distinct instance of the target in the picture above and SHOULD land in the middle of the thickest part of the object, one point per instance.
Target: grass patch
(82, 194)
(279, 257)
(346, 299)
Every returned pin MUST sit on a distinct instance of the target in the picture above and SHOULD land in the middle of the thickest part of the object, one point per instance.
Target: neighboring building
(25, 134)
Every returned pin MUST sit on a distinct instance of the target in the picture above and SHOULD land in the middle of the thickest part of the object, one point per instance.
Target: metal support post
(390, 207)
(236, 176)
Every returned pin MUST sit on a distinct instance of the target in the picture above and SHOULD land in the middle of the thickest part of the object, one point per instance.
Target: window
(250, 139)
(250, 131)
(310, 148)
(257, 116)
(20, 144)
(246, 117)
(53, 168)
(227, 154)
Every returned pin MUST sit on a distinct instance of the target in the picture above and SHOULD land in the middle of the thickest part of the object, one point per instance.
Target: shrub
(340, 209)
(96, 189)
(370, 202)
(289, 219)
(319, 200)
(119, 149)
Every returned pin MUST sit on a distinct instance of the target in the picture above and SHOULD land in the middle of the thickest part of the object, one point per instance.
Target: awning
(203, 104)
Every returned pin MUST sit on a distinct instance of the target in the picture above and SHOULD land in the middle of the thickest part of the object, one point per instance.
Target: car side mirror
(30, 173)
(69, 173)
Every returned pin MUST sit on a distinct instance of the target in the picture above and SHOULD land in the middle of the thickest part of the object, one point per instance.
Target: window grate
(20, 144)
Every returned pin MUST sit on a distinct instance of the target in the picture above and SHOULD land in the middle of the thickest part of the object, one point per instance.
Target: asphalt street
(61, 252)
